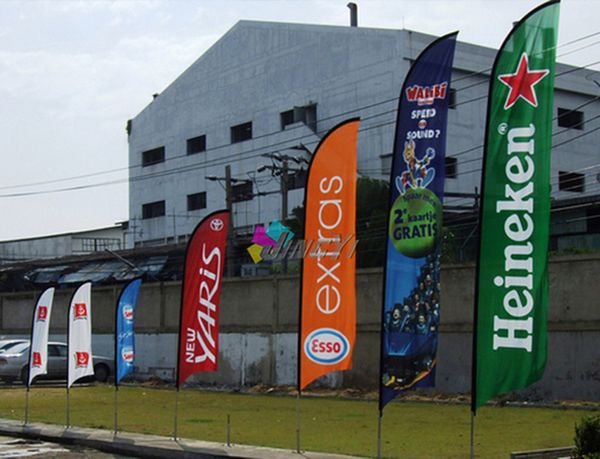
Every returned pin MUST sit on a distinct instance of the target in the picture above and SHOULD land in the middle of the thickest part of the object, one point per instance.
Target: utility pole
(174, 228)
(280, 167)
(229, 181)
(284, 190)
(284, 200)
(229, 206)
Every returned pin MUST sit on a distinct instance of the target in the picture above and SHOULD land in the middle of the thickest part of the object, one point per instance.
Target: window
(196, 145)
(62, 350)
(241, 132)
(242, 192)
(96, 244)
(571, 181)
(297, 179)
(153, 209)
(570, 118)
(196, 201)
(386, 163)
(593, 219)
(306, 114)
(452, 98)
(450, 163)
(53, 350)
(286, 118)
(154, 156)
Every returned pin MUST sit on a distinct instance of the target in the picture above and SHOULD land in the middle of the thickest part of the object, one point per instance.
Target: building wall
(114, 238)
(259, 321)
(259, 69)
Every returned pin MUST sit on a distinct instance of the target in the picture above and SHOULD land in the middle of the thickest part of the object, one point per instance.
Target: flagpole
(30, 361)
(472, 434)
(68, 408)
(27, 406)
(298, 422)
(69, 354)
(175, 418)
(379, 419)
(116, 408)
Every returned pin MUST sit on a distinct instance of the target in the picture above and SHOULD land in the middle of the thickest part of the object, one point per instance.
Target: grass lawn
(410, 429)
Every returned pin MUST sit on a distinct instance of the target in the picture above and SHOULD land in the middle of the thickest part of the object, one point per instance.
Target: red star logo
(522, 82)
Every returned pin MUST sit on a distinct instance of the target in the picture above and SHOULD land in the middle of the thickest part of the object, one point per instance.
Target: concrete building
(267, 88)
(66, 244)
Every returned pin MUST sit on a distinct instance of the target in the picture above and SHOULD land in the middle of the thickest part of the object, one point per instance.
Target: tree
(371, 220)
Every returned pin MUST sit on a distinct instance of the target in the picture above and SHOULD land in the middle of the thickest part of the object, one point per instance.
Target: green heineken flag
(512, 276)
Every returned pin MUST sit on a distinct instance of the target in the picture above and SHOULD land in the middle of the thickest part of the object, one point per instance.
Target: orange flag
(328, 306)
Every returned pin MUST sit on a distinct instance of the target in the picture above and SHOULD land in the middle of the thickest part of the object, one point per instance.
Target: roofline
(117, 225)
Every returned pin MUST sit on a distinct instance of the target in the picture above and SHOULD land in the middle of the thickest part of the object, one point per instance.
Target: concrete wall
(259, 319)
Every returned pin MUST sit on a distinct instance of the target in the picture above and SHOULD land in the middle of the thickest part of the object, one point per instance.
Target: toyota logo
(217, 224)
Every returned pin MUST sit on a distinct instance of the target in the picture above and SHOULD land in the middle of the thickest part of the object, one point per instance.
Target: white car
(6, 344)
(14, 363)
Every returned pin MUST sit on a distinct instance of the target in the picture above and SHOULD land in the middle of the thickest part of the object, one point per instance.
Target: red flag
(201, 291)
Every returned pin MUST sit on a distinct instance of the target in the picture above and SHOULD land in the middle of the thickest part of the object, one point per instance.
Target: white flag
(38, 351)
(80, 334)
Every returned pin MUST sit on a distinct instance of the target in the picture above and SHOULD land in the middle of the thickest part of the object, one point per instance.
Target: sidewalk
(151, 446)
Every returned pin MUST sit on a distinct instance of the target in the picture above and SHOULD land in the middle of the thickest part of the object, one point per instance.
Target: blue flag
(124, 337)
(411, 296)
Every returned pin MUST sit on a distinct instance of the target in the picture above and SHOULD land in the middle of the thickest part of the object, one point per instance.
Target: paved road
(15, 448)
(152, 446)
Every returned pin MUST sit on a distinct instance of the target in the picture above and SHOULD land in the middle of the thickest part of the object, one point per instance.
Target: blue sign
(411, 303)
(125, 337)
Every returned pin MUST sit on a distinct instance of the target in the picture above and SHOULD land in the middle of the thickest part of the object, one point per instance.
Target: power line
(219, 161)
(352, 111)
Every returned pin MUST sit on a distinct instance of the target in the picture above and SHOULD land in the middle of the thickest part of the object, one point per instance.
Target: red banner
(328, 309)
(201, 291)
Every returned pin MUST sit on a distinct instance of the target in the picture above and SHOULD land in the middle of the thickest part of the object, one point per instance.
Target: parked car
(14, 363)
(6, 344)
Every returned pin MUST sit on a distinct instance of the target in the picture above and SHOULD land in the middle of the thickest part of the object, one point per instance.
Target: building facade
(65, 244)
(268, 92)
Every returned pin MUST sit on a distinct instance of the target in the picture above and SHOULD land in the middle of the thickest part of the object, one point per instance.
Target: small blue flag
(124, 337)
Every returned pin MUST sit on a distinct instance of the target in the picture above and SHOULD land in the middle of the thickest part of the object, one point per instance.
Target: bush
(587, 438)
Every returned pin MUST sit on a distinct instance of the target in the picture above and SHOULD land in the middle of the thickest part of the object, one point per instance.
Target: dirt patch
(420, 396)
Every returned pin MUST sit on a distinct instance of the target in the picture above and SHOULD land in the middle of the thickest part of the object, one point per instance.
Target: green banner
(512, 277)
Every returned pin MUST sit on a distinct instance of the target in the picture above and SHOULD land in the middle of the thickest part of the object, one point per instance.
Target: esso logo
(127, 354)
(326, 346)
(128, 313)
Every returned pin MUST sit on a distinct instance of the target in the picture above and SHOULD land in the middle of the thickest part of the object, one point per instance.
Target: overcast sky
(73, 72)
